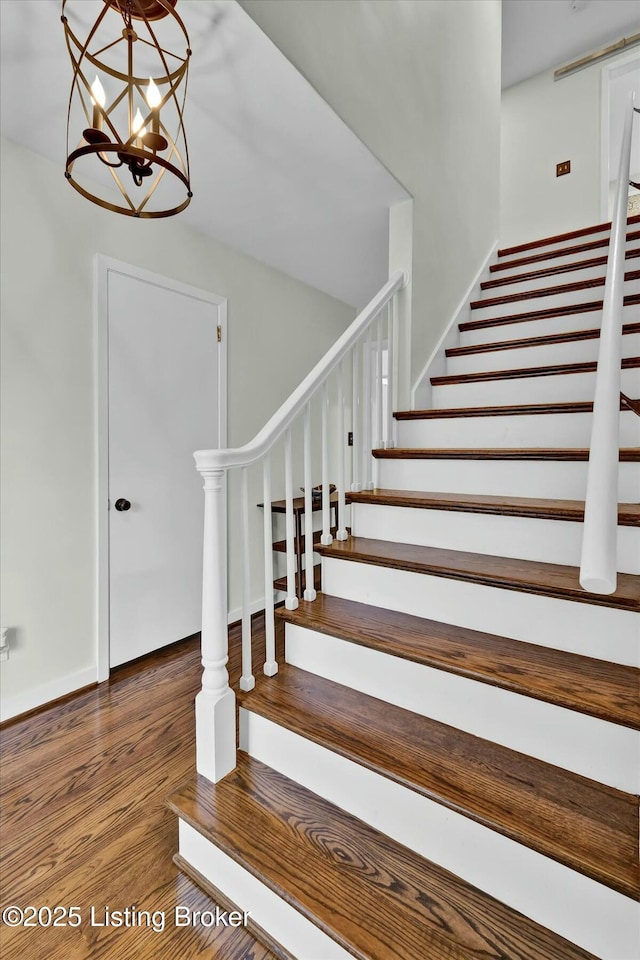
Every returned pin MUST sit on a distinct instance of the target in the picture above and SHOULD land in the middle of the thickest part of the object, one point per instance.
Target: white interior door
(163, 403)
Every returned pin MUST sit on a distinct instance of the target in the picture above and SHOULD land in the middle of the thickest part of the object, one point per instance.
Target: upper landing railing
(598, 569)
(360, 364)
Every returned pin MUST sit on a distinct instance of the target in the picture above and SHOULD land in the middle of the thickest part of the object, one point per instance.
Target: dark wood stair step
(560, 237)
(553, 270)
(632, 235)
(531, 507)
(504, 410)
(541, 341)
(555, 291)
(577, 454)
(598, 688)
(585, 825)
(551, 370)
(281, 545)
(544, 314)
(525, 576)
(349, 879)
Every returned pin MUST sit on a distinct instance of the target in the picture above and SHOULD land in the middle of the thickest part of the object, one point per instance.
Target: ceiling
(275, 173)
(539, 34)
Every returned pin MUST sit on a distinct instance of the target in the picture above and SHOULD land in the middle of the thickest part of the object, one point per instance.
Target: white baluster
(379, 437)
(215, 703)
(341, 533)
(390, 333)
(367, 482)
(271, 664)
(291, 602)
(355, 419)
(326, 537)
(247, 680)
(310, 590)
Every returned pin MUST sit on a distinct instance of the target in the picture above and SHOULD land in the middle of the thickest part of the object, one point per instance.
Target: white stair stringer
(582, 910)
(549, 479)
(301, 937)
(515, 430)
(589, 629)
(588, 746)
(526, 538)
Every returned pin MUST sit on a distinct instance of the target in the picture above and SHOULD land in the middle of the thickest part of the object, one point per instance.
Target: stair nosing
(560, 237)
(544, 340)
(523, 373)
(439, 566)
(251, 701)
(536, 508)
(559, 268)
(631, 236)
(572, 454)
(383, 619)
(558, 290)
(548, 313)
(504, 410)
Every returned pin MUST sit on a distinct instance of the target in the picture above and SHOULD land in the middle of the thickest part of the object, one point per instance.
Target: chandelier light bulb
(153, 95)
(97, 93)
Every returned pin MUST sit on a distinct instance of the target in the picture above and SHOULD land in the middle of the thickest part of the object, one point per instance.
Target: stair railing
(598, 565)
(373, 332)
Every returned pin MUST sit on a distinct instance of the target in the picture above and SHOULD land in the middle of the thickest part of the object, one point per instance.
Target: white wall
(278, 328)
(545, 122)
(419, 83)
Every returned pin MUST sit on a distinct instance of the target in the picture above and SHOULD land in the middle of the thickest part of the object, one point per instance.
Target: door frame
(103, 266)
(608, 73)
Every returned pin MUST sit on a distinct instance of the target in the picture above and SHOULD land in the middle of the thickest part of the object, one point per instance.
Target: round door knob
(123, 504)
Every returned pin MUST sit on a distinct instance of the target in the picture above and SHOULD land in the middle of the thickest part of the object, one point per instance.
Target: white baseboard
(39, 696)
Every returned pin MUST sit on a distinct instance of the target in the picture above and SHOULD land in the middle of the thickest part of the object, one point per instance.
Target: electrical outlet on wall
(563, 168)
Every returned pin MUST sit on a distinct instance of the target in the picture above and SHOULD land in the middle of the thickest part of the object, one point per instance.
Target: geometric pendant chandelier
(126, 142)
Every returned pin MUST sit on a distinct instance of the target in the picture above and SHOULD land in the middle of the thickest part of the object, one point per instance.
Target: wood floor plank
(609, 691)
(588, 826)
(311, 842)
(83, 819)
(528, 576)
(544, 509)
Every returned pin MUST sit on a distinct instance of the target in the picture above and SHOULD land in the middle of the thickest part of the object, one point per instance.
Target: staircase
(447, 766)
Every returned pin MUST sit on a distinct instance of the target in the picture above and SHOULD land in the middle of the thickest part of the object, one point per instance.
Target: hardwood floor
(84, 822)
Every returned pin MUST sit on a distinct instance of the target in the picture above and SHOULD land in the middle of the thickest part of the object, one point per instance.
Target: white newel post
(215, 704)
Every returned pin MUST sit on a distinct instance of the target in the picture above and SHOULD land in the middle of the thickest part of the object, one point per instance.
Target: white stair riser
(543, 327)
(584, 295)
(516, 285)
(524, 538)
(573, 351)
(572, 905)
(562, 243)
(548, 389)
(585, 628)
(590, 747)
(515, 478)
(523, 430)
(290, 928)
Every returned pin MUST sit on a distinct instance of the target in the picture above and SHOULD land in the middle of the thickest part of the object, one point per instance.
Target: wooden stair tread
(628, 513)
(526, 576)
(554, 291)
(590, 827)
(598, 688)
(556, 268)
(562, 252)
(549, 370)
(541, 341)
(545, 313)
(578, 454)
(558, 238)
(349, 879)
(504, 410)
(280, 546)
